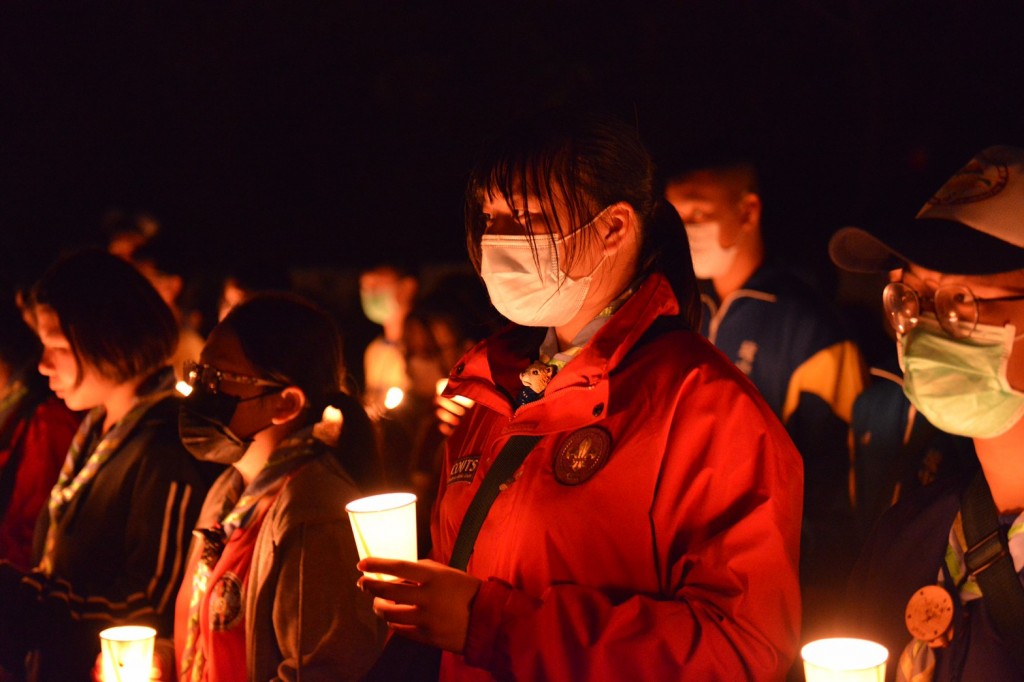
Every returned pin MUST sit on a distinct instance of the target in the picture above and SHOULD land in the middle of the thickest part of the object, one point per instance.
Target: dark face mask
(203, 426)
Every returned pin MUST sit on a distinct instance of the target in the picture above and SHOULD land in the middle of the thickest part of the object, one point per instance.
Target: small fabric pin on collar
(535, 380)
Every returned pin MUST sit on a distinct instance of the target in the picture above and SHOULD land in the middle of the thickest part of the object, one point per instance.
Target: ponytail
(666, 250)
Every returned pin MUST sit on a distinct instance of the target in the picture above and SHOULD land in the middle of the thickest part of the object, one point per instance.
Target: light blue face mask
(960, 385)
(378, 305)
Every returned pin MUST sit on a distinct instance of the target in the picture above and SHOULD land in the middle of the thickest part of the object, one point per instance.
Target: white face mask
(710, 260)
(532, 298)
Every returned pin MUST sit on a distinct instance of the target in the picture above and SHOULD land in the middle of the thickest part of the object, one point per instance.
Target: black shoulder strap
(988, 560)
(505, 465)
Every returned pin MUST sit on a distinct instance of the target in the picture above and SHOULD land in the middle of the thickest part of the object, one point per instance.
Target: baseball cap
(974, 224)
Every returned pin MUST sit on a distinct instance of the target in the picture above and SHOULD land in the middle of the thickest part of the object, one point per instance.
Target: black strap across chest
(988, 559)
(505, 464)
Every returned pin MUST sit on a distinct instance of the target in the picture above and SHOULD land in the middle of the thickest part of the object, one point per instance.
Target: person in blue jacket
(790, 343)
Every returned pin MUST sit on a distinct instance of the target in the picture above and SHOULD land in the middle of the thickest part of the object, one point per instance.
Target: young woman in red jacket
(652, 530)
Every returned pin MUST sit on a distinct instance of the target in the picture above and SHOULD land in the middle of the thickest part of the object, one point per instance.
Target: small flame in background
(393, 398)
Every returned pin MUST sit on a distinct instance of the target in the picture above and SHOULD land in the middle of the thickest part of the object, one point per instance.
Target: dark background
(333, 133)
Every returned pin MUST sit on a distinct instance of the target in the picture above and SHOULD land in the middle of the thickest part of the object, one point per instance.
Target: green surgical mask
(378, 306)
(960, 385)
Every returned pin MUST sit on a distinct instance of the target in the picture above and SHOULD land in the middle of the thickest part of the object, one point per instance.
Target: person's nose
(45, 366)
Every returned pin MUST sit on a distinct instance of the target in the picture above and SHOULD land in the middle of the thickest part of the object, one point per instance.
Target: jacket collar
(489, 373)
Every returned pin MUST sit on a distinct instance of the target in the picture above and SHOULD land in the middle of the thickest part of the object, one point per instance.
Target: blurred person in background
(250, 276)
(125, 232)
(109, 546)
(163, 263)
(440, 328)
(789, 341)
(896, 450)
(35, 431)
(386, 292)
(939, 583)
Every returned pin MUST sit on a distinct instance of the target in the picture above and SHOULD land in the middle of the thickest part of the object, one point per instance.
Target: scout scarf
(252, 504)
(70, 483)
(917, 662)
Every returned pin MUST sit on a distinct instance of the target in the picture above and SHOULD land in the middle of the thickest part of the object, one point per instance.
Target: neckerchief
(289, 455)
(917, 662)
(69, 483)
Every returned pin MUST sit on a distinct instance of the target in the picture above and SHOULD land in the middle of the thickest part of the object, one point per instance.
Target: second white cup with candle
(843, 659)
(384, 527)
(127, 653)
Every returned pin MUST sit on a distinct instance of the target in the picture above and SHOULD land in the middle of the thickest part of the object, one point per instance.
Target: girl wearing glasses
(939, 582)
(270, 589)
(652, 530)
(110, 542)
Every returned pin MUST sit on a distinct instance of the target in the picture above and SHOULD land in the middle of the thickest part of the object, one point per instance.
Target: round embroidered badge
(582, 454)
(976, 181)
(226, 603)
(930, 615)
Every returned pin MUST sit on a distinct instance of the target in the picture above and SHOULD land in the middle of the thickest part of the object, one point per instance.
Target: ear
(750, 212)
(619, 226)
(289, 405)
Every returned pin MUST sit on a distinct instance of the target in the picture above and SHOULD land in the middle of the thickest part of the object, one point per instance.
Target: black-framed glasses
(955, 306)
(208, 378)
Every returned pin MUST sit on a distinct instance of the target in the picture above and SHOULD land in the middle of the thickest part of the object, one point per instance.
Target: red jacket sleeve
(43, 441)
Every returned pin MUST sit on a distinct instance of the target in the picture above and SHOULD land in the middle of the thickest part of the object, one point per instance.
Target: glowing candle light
(127, 653)
(843, 659)
(393, 398)
(385, 527)
(183, 388)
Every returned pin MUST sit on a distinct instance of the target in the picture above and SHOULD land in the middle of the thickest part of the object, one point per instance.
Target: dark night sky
(331, 133)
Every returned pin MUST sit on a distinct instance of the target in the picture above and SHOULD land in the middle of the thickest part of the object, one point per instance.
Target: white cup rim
(128, 633)
(868, 654)
(380, 503)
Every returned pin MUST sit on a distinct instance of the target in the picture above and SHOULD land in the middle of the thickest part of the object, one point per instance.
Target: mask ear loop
(563, 276)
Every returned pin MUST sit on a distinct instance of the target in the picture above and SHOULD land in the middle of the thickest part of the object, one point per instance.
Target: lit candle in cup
(384, 526)
(843, 659)
(127, 653)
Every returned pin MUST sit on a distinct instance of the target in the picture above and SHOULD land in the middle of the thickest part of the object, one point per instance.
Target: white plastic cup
(384, 527)
(843, 659)
(127, 653)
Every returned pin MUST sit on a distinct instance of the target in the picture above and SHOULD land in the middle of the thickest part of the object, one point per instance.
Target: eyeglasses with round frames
(955, 306)
(208, 378)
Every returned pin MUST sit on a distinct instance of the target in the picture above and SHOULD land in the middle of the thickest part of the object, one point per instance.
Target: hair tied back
(328, 429)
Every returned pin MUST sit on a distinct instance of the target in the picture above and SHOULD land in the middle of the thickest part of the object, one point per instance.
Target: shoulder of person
(54, 409)
(675, 350)
(934, 504)
(316, 493)
(156, 441)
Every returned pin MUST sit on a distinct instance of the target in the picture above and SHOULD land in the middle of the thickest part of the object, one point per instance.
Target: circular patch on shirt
(226, 603)
(930, 614)
(582, 454)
